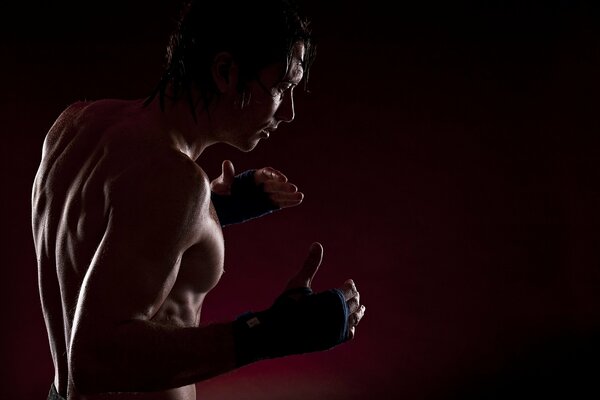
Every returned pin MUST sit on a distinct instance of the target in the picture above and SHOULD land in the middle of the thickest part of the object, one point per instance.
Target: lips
(268, 131)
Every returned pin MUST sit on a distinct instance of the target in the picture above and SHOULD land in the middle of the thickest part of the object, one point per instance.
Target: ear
(225, 72)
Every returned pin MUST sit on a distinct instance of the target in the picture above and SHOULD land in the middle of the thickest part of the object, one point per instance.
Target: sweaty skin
(87, 222)
(128, 242)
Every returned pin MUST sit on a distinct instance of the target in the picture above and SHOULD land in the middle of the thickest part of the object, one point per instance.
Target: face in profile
(270, 101)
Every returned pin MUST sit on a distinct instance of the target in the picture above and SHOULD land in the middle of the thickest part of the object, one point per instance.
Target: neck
(188, 135)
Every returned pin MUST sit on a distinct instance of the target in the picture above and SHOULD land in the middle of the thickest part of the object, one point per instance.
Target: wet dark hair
(256, 34)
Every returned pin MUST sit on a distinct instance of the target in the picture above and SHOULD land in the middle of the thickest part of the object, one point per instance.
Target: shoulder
(82, 111)
(163, 200)
(165, 179)
(65, 120)
(77, 117)
(70, 113)
(160, 169)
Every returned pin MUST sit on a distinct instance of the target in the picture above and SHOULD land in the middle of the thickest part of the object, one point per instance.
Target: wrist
(298, 322)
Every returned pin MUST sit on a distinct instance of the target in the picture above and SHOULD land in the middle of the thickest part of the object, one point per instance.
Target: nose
(286, 112)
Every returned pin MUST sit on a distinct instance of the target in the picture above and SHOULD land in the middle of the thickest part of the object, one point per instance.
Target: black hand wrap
(247, 201)
(298, 322)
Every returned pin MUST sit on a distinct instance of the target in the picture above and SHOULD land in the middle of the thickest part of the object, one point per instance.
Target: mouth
(265, 134)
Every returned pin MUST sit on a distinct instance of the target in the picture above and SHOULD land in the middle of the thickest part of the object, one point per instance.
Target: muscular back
(104, 159)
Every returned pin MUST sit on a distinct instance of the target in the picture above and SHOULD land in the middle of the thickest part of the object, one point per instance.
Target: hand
(282, 193)
(222, 185)
(299, 321)
(275, 184)
(304, 277)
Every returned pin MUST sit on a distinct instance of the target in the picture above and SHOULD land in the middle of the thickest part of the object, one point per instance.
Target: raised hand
(357, 310)
(304, 277)
(275, 184)
(222, 185)
(299, 321)
(308, 271)
(251, 194)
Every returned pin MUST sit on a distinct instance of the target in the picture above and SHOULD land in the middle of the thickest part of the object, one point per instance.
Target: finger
(354, 303)
(278, 198)
(220, 187)
(349, 290)
(306, 274)
(266, 174)
(287, 204)
(276, 174)
(228, 172)
(354, 318)
(272, 186)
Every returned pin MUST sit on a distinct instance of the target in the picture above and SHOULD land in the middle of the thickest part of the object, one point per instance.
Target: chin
(247, 146)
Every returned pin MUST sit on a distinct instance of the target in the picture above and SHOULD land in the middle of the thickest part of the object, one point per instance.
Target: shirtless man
(127, 237)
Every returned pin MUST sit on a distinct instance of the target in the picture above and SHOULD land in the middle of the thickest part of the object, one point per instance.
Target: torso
(89, 146)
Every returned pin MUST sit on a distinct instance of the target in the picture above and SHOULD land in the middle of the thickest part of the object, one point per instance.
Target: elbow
(83, 381)
(86, 370)
(82, 373)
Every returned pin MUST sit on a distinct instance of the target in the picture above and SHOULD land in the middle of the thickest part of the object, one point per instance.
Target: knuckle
(347, 293)
(353, 303)
(353, 319)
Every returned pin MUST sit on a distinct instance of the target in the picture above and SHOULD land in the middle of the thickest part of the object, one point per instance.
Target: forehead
(291, 72)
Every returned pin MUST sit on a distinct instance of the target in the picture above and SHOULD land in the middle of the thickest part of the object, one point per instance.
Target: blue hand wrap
(247, 201)
(299, 321)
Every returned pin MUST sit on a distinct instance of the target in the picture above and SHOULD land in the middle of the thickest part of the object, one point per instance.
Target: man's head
(266, 100)
(255, 35)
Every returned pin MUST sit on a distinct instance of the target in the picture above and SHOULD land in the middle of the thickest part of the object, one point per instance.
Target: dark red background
(449, 154)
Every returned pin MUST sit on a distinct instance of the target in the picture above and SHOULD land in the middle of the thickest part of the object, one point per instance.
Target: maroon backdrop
(449, 154)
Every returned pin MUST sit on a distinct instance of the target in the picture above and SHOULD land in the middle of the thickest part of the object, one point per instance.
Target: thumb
(228, 172)
(311, 265)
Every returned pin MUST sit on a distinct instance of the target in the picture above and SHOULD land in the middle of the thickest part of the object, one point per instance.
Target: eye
(283, 87)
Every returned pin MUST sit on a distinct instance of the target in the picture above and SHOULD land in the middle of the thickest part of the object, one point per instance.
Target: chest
(202, 265)
(200, 270)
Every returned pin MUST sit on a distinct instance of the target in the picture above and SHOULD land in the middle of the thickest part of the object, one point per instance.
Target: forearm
(142, 356)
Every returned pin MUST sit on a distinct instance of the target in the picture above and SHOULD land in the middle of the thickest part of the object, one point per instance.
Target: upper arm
(156, 213)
